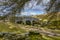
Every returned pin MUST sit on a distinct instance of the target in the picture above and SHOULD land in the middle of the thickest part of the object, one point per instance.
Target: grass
(43, 37)
(10, 28)
(50, 38)
(52, 29)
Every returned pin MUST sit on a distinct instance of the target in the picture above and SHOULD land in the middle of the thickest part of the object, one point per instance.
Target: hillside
(35, 32)
(47, 16)
(53, 19)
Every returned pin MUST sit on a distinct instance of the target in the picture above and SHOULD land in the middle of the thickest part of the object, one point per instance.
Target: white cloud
(30, 13)
(32, 5)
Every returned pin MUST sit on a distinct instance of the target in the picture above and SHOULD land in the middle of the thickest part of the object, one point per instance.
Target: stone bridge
(27, 20)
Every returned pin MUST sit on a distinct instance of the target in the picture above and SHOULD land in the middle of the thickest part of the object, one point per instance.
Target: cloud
(30, 8)
(32, 12)
(34, 9)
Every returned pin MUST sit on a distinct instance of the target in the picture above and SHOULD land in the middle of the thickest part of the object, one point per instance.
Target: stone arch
(28, 22)
(19, 22)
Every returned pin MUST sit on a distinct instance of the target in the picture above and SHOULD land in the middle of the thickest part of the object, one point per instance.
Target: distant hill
(47, 16)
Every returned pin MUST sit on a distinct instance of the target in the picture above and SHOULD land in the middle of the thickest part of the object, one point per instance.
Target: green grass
(8, 28)
(43, 37)
(53, 38)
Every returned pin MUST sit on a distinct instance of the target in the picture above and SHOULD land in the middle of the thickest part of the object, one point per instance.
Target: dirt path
(40, 30)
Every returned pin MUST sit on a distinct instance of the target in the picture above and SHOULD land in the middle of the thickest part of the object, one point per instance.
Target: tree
(53, 9)
(17, 8)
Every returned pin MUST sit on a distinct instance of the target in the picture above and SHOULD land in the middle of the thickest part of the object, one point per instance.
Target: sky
(32, 12)
(30, 8)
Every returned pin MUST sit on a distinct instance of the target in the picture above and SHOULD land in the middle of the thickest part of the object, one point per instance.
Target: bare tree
(53, 9)
(17, 8)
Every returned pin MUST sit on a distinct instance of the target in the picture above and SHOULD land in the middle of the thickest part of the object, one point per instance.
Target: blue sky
(30, 8)
(32, 12)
